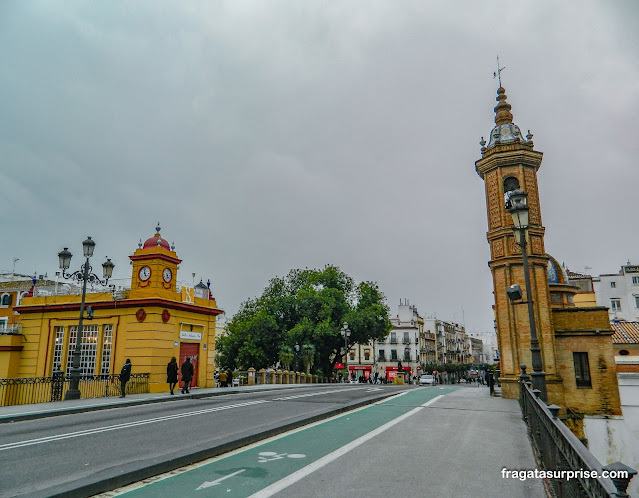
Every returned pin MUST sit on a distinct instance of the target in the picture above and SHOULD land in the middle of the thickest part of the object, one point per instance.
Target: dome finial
(157, 228)
(502, 109)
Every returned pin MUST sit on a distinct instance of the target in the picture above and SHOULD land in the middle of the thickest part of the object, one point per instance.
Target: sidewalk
(16, 413)
(456, 446)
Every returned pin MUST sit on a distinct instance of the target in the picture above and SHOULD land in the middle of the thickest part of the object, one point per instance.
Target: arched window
(6, 299)
(510, 183)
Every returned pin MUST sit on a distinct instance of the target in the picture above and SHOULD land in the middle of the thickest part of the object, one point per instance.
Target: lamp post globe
(88, 246)
(65, 258)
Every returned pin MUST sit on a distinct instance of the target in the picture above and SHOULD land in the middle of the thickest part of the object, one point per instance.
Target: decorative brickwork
(536, 245)
(498, 248)
(530, 177)
(494, 201)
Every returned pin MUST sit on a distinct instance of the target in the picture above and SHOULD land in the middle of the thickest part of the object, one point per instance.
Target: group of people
(224, 378)
(172, 370)
(187, 371)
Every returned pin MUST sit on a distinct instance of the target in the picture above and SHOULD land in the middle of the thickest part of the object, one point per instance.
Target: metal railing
(559, 449)
(27, 390)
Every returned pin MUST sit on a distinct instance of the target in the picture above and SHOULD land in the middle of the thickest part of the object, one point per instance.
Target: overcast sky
(270, 135)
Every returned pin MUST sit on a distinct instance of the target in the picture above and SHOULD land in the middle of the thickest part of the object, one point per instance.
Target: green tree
(307, 307)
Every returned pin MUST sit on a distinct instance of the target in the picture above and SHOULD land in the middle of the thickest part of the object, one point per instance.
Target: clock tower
(155, 265)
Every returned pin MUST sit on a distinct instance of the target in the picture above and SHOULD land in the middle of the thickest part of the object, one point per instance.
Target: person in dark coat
(172, 374)
(187, 374)
(125, 375)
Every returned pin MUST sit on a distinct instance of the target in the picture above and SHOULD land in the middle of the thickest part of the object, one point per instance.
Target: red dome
(153, 242)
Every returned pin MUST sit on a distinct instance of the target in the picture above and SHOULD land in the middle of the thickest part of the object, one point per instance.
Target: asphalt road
(86, 453)
(431, 442)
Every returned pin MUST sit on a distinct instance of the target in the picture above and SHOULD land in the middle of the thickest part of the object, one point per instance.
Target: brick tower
(509, 162)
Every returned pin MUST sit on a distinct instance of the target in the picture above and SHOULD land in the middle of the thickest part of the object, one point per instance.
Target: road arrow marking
(208, 484)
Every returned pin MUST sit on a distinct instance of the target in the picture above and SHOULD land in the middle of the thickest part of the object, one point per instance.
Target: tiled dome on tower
(561, 291)
(156, 241)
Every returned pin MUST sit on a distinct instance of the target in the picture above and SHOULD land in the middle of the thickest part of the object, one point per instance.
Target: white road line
(322, 462)
(295, 396)
(97, 430)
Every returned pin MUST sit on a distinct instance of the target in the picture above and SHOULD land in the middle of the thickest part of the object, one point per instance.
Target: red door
(191, 350)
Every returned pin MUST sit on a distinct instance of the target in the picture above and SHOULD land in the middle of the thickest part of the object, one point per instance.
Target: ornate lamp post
(346, 333)
(519, 211)
(83, 275)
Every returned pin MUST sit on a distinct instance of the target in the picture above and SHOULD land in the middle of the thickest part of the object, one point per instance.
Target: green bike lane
(264, 468)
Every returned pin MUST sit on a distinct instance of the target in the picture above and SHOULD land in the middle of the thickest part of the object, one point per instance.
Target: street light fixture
(83, 275)
(346, 333)
(519, 212)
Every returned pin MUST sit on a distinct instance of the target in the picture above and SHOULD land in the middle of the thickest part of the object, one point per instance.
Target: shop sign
(194, 336)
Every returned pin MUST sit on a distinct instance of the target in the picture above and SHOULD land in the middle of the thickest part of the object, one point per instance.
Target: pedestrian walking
(125, 375)
(172, 374)
(229, 378)
(222, 377)
(187, 374)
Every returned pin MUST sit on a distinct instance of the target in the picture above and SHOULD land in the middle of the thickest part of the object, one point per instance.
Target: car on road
(426, 380)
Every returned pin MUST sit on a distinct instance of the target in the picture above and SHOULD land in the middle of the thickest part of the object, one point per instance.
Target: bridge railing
(559, 449)
(27, 390)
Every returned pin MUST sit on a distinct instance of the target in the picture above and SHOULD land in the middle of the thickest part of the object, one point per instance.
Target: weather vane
(497, 74)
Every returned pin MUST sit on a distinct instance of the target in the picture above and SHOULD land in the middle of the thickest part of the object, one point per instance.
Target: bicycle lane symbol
(262, 457)
(269, 456)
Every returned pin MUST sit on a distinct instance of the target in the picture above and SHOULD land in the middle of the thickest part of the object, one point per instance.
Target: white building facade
(402, 343)
(619, 292)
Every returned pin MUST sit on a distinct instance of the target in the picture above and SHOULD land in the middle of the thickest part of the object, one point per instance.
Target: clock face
(167, 275)
(144, 273)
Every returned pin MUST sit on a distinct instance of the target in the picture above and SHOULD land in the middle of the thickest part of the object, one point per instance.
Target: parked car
(427, 380)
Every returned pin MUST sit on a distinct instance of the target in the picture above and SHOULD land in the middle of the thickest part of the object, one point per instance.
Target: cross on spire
(497, 74)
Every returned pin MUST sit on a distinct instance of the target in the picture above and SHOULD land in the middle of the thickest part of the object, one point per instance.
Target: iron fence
(559, 449)
(27, 390)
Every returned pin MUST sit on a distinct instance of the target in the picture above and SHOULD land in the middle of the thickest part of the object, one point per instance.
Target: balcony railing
(15, 329)
(27, 390)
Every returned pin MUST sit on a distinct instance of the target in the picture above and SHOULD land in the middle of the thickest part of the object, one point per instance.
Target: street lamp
(519, 211)
(346, 333)
(83, 275)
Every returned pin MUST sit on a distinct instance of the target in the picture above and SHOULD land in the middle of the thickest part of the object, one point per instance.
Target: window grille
(88, 348)
(107, 343)
(57, 348)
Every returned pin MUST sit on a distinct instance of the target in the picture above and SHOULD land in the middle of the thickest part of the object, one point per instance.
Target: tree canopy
(298, 318)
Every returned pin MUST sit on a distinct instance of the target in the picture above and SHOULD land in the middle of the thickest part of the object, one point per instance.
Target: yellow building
(149, 323)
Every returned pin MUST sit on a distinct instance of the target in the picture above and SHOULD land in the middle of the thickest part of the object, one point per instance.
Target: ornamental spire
(502, 109)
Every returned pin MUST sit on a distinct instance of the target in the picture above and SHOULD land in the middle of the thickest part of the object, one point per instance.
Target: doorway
(191, 350)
